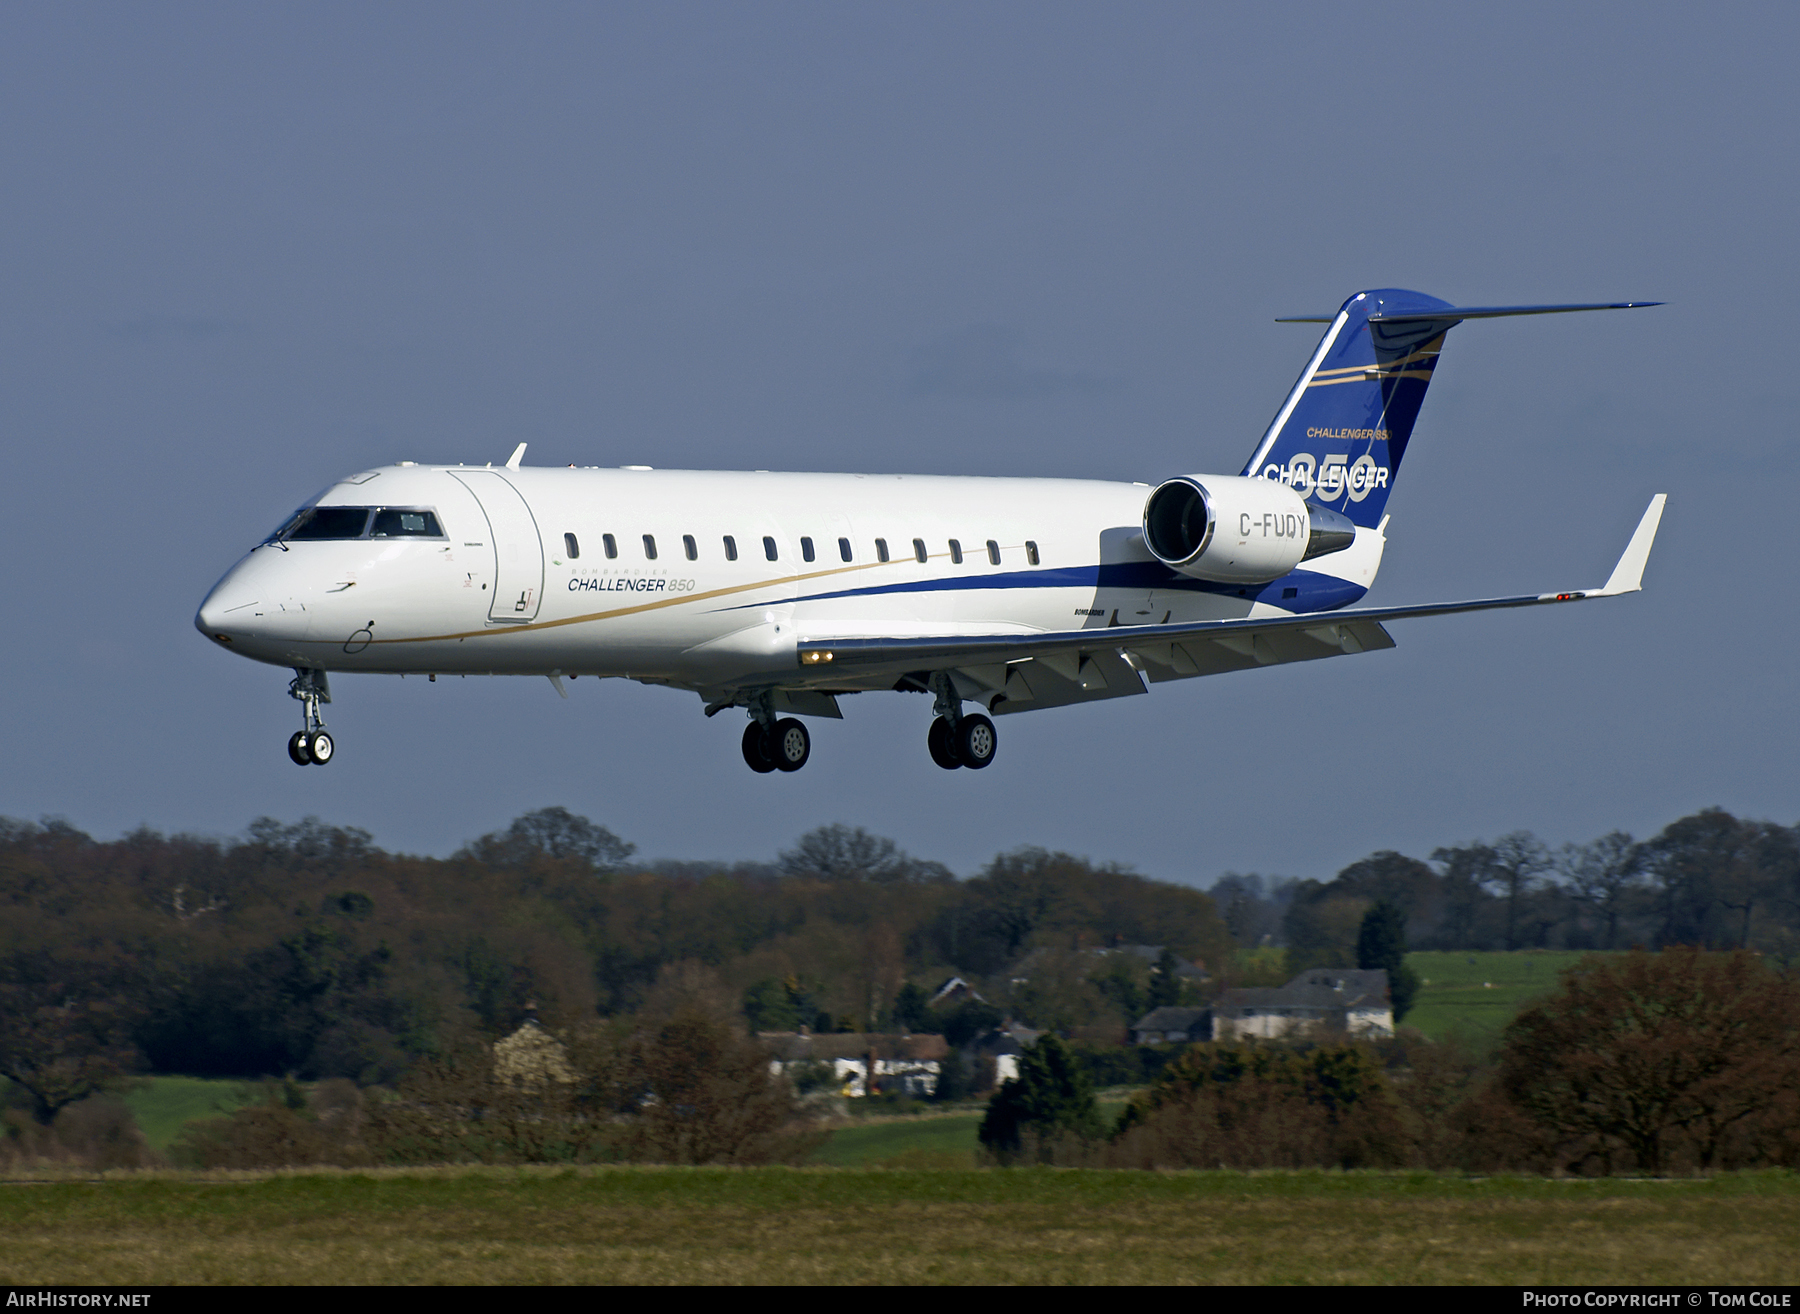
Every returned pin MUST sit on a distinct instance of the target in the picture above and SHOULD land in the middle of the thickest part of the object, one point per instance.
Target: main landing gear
(784, 746)
(970, 743)
(772, 744)
(312, 746)
(956, 740)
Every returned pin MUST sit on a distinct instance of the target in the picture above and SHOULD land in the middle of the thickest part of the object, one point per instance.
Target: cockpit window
(339, 522)
(317, 522)
(396, 522)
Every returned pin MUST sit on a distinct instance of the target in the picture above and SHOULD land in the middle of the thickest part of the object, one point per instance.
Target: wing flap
(1032, 685)
(1163, 662)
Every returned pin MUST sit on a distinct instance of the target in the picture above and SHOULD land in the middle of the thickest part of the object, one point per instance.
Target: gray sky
(247, 249)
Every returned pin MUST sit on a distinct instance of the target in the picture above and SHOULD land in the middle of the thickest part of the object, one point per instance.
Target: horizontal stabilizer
(1457, 314)
(1499, 312)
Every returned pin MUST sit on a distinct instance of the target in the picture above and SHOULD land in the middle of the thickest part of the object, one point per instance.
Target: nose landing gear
(312, 746)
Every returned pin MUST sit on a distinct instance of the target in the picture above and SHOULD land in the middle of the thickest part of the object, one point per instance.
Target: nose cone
(237, 611)
(260, 609)
(225, 608)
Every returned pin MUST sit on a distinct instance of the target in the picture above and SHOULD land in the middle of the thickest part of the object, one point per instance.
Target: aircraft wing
(1023, 672)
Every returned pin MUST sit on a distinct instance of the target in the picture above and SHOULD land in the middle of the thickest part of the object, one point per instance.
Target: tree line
(305, 950)
(1707, 879)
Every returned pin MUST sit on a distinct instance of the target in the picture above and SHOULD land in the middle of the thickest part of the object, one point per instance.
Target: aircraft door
(518, 551)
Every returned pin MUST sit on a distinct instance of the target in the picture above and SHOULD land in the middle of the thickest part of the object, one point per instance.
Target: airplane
(783, 594)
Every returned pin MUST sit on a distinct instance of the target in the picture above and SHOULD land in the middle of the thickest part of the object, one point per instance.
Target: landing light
(814, 658)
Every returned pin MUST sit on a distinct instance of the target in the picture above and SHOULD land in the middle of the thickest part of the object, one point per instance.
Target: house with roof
(954, 991)
(1172, 1026)
(909, 1064)
(1350, 1001)
(1004, 1044)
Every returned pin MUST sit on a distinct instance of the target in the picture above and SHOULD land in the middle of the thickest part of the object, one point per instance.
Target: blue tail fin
(1339, 437)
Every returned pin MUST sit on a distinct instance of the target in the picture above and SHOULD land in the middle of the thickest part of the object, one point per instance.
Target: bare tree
(1760, 871)
(1517, 867)
(1605, 874)
(1711, 865)
(846, 853)
(1251, 906)
(553, 833)
(1464, 870)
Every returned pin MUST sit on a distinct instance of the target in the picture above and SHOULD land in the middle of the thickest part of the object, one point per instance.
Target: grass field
(946, 1140)
(901, 1226)
(923, 1142)
(164, 1105)
(1474, 995)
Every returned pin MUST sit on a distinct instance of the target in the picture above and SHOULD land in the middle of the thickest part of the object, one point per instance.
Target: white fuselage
(521, 582)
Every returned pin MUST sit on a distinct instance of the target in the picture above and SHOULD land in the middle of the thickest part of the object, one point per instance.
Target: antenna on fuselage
(512, 462)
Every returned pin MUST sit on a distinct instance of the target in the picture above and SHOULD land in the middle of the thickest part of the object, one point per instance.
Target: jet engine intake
(1238, 530)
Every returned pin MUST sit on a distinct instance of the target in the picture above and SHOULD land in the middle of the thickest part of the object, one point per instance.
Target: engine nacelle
(1237, 530)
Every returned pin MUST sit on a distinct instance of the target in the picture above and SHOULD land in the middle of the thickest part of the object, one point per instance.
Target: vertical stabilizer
(1339, 436)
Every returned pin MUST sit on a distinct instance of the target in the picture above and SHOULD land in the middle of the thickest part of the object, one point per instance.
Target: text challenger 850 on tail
(783, 593)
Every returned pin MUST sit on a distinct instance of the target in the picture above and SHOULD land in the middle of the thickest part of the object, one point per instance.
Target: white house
(911, 1067)
(1324, 999)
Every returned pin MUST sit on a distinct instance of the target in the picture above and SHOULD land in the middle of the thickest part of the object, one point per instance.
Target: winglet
(512, 462)
(1628, 575)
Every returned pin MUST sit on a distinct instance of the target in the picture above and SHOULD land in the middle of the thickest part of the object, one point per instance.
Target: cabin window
(919, 550)
(730, 548)
(955, 553)
(993, 552)
(881, 549)
(1031, 553)
(649, 547)
(1289, 593)
(806, 551)
(690, 547)
(611, 545)
(321, 522)
(844, 548)
(574, 548)
(394, 522)
(768, 547)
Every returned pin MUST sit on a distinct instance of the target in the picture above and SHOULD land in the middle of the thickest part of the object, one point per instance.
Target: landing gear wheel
(943, 752)
(755, 756)
(976, 741)
(792, 744)
(297, 749)
(320, 748)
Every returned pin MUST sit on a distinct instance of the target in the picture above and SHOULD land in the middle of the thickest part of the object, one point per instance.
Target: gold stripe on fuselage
(660, 603)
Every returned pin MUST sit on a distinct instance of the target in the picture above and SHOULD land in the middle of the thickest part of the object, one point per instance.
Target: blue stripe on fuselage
(1312, 591)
